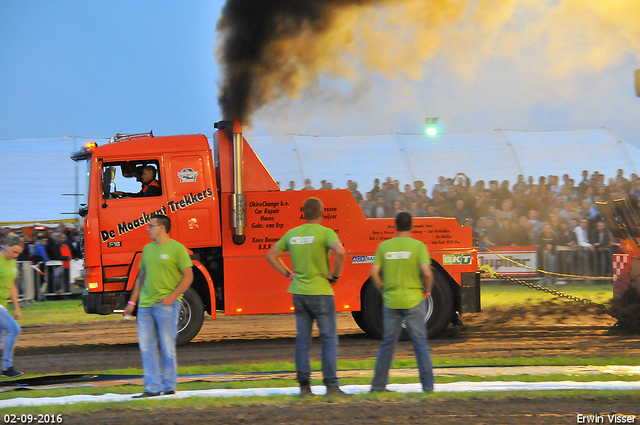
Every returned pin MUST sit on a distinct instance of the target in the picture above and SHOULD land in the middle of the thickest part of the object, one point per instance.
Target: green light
(432, 126)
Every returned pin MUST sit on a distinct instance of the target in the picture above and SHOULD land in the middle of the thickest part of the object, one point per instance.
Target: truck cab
(118, 211)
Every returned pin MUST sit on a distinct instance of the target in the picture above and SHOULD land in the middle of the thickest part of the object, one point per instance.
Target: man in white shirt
(583, 245)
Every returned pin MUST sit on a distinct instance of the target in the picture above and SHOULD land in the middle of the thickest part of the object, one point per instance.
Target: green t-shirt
(400, 260)
(163, 265)
(309, 247)
(8, 273)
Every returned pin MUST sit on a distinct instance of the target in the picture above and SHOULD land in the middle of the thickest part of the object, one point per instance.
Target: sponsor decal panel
(187, 175)
(363, 259)
(456, 259)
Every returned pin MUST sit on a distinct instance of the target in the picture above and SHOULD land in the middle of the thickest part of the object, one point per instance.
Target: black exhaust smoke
(256, 62)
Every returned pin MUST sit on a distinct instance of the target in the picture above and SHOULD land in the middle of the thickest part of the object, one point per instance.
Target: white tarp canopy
(493, 155)
(35, 174)
(39, 181)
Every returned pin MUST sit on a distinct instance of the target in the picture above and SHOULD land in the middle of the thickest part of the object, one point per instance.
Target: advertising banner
(526, 255)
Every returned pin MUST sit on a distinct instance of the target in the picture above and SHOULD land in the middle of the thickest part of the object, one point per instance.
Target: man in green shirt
(165, 273)
(311, 286)
(408, 280)
(13, 247)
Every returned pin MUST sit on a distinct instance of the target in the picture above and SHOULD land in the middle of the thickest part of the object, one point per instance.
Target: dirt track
(516, 412)
(546, 330)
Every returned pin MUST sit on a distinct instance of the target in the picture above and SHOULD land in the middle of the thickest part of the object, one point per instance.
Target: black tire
(357, 316)
(190, 318)
(371, 310)
(440, 306)
(440, 309)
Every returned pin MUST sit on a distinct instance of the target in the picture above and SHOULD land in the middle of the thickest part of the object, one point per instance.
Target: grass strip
(60, 311)
(398, 362)
(511, 295)
(369, 364)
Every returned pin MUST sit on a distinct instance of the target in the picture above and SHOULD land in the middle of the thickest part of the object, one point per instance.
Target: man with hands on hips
(312, 292)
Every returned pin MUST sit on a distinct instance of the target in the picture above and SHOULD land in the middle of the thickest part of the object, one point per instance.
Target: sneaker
(428, 390)
(11, 372)
(384, 390)
(170, 392)
(147, 394)
(305, 391)
(561, 282)
(336, 392)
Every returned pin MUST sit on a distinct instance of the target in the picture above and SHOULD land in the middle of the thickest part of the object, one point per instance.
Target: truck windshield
(130, 179)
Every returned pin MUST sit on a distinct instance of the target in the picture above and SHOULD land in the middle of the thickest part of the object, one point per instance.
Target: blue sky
(96, 68)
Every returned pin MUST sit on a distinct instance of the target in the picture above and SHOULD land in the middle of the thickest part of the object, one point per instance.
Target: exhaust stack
(239, 217)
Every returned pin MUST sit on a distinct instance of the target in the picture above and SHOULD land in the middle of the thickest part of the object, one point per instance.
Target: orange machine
(227, 210)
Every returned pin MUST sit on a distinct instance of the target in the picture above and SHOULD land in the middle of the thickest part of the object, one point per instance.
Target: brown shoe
(336, 392)
(305, 391)
(384, 390)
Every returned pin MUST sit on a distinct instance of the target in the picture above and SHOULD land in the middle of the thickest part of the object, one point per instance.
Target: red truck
(227, 210)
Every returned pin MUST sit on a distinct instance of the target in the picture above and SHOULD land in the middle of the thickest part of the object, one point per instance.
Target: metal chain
(584, 301)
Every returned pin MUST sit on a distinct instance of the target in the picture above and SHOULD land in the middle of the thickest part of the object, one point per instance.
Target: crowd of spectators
(558, 215)
(48, 245)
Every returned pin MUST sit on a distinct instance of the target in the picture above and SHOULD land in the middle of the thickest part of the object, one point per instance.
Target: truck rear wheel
(440, 309)
(357, 316)
(371, 310)
(190, 318)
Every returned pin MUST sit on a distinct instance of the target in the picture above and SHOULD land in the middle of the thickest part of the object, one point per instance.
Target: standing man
(13, 247)
(311, 286)
(165, 273)
(402, 259)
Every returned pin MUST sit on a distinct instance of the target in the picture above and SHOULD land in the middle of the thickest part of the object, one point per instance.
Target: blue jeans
(158, 323)
(12, 329)
(414, 319)
(322, 309)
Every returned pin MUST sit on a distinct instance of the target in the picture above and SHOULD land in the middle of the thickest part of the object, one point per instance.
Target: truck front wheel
(190, 318)
(440, 309)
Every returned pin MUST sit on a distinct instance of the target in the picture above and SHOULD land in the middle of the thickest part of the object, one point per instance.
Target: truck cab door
(192, 199)
(124, 213)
